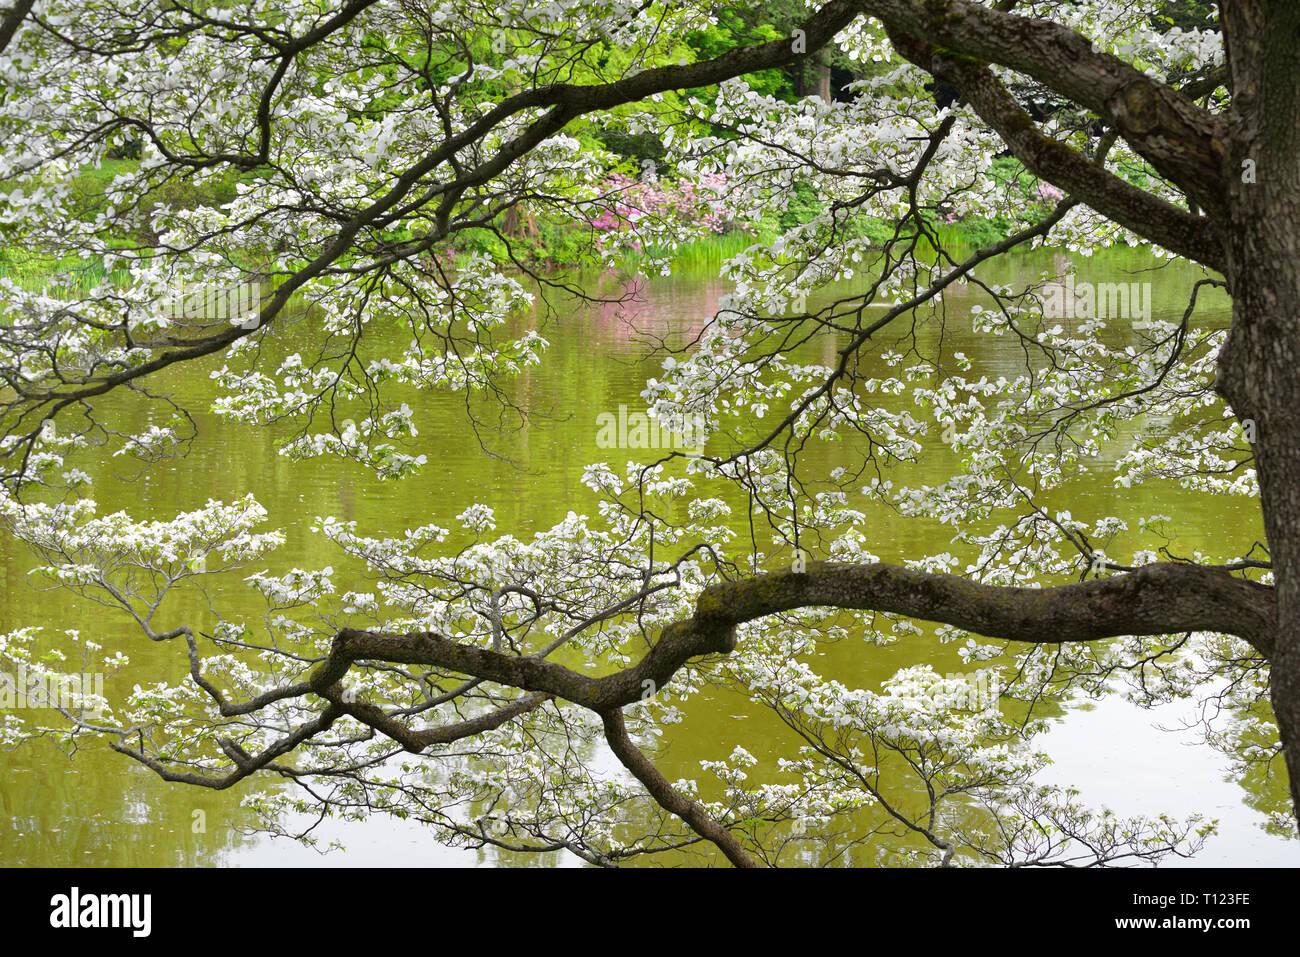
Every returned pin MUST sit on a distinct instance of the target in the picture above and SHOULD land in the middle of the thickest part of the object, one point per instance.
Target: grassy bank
(549, 245)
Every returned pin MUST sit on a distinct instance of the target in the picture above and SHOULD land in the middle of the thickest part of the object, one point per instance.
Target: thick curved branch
(677, 645)
(1049, 159)
(1157, 599)
(1185, 142)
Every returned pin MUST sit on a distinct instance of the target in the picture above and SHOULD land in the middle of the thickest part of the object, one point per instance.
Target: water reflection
(96, 809)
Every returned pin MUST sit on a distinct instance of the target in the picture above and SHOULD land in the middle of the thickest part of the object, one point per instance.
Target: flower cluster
(627, 201)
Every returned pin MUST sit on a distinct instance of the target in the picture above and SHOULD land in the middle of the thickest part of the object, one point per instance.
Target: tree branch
(1180, 139)
(1156, 599)
(1137, 210)
(13, 19)
(668, 797)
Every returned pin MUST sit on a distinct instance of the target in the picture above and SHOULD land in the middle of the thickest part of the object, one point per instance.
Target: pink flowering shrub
(1047, 193)
(660, 202)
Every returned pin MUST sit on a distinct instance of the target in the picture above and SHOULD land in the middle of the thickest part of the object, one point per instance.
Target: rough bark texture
(1259, 370)
(1159, 599)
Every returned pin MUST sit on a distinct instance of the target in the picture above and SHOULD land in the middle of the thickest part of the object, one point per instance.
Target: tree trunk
(824, 79)
(1259, 369)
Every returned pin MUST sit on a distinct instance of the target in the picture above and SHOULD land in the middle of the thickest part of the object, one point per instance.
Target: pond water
(96, 808)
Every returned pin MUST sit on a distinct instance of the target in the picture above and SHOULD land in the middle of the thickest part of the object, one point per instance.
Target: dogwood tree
(471, 688)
